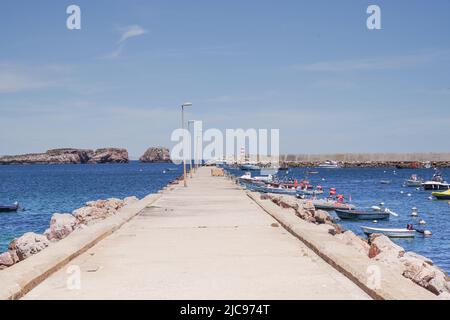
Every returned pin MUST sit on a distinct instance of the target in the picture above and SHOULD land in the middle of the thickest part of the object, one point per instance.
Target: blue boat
(355, 214)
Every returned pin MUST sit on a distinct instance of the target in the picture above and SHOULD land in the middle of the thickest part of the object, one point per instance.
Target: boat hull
(436, 186)
(412, 183)
(391, 233)
(361, 215)
(332, 206)
(442, 195)
(12, 208)
(249, 167)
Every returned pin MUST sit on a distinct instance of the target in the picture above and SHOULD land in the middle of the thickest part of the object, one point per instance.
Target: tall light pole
(186, 104)
(190, 158)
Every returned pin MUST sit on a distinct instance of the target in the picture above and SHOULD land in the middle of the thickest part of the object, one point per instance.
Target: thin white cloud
(384, 63)
(131, 32)
(126, 33)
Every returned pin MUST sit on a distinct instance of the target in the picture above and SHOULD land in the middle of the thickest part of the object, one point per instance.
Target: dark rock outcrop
(69, 156)
(156, 154)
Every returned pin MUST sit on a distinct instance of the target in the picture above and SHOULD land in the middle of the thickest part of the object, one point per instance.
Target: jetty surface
(206, 241)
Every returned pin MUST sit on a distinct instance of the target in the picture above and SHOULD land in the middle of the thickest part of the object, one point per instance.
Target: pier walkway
(206, 241)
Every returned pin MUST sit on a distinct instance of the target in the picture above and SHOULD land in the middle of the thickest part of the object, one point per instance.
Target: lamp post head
(187, 104)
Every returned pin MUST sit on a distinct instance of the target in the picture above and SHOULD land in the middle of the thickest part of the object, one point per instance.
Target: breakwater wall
(369, 157)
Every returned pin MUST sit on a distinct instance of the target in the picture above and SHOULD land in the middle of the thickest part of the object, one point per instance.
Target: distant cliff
(69, 156)
(156, 154)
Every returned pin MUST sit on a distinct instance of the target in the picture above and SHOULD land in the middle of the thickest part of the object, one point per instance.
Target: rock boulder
(156, 154)
(28, 244)
(61, 225)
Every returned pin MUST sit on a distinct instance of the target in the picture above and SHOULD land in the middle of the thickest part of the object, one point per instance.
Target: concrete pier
(206, 241)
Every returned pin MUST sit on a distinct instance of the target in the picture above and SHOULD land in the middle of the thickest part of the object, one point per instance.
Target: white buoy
(422, 222)
(414, 212)
(430, 198)
(417, 189)
(323, 179)
(375, 221)
(409, 194)
(402, 192)
(427, 233)
(164, 171)
(381, 204)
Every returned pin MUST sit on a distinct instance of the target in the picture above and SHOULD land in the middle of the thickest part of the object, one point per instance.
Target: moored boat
(12, 208)
(436, 183)
(392, 233)
(356, 214)
(250, 167)
(329, 164)
(330, 205)
(442, 195)
(414, 181)
(248, 178)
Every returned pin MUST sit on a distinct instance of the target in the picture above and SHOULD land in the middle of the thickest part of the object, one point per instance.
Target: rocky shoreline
(69, 156)
(379, 248)
(86, 156)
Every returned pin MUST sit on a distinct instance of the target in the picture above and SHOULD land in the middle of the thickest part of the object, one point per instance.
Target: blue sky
(310, 68)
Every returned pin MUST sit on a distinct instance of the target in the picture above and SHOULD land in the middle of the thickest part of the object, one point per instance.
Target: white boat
(392, 233)
(248, 177)
(414, 181)
(329, 164)
(436, 183)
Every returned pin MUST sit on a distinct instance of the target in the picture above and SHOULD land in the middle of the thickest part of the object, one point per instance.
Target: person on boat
(332, 193)
(340, 198)
(295, 183)
(409, 226)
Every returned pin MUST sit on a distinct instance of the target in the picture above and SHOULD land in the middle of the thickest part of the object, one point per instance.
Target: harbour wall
(369, 157)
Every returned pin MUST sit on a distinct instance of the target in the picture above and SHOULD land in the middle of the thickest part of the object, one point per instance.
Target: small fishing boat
(11, 208)
(249, 167)
(392, 233)
(414, 181)
(248, 178)
(356, 214)
(442, 195)
(309, 192)
(331, 205)
(329, 164)
(385, 181)
(286, 191)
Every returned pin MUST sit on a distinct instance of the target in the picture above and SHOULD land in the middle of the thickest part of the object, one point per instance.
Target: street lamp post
(186, 104)
(190, 158)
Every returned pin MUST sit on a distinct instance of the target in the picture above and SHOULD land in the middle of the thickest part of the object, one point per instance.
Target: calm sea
(45, 189)
(366, 190)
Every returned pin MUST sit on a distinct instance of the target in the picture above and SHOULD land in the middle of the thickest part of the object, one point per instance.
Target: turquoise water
(45, 189)
(363, 184)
